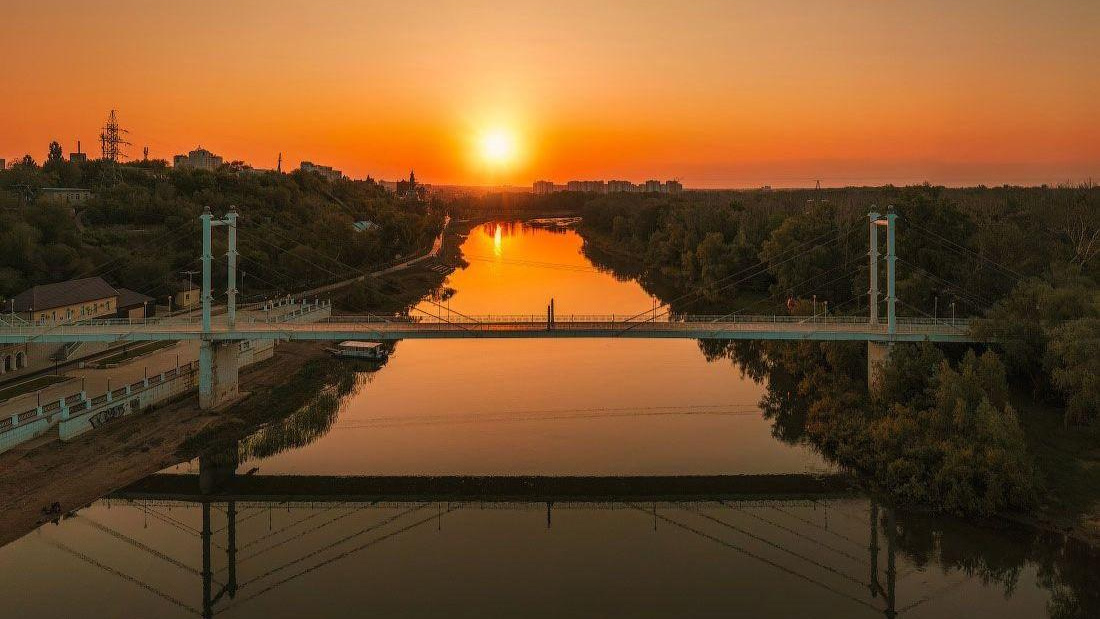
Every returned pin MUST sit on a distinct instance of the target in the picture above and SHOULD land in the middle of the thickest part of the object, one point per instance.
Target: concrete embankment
(75, 473)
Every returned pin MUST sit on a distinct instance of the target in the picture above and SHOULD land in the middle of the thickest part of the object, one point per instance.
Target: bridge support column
(891, 284)
(873, 267)
(218, 366)
(877, 354)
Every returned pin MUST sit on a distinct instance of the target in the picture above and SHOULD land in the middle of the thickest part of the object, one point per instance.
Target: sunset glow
(498, 147)
(716, 93)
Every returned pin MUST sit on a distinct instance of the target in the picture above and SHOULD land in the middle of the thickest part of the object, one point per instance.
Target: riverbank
(625, 263)
(396, 291)
(74, 474)
(39, 474)
(1067, 460)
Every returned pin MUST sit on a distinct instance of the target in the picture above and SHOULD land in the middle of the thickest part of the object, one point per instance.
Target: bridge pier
(877, 354)
(218, 365)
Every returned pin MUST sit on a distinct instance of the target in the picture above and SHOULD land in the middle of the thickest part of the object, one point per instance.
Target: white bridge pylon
(218, 362)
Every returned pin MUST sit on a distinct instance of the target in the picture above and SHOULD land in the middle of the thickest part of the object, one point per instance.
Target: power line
(124, 576)
(768, 542)
(140, 546)
(760, 558)
(754, 271)
(944, 241)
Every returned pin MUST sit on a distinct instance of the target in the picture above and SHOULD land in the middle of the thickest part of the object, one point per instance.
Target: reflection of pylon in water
(888, 593)
(110, 139)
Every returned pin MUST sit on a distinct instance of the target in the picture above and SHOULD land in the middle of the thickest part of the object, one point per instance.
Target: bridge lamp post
(190, 292)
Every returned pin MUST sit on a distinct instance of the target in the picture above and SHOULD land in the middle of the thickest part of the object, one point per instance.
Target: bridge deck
(389, 329)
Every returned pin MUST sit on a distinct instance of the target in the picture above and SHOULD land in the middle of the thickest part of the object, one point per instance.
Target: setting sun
(498, 147)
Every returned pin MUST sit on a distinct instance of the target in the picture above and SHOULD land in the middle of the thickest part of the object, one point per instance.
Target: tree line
(140, 228)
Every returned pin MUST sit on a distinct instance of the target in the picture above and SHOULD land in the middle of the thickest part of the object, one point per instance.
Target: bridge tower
(218, 362)
(877, 352)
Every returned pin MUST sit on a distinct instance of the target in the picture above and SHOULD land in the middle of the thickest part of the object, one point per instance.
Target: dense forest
(938, 428)
(140, 229)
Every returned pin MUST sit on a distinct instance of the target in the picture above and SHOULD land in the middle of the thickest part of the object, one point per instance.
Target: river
(542, 408)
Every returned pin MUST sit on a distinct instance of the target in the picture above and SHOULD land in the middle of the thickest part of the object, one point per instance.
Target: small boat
(351, 349)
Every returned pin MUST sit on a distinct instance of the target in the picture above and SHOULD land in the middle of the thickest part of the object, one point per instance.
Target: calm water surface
(531, 407)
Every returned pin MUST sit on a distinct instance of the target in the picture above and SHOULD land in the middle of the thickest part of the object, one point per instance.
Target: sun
(498, 147)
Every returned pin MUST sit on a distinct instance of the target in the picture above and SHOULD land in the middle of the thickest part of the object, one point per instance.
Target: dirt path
(76, 473)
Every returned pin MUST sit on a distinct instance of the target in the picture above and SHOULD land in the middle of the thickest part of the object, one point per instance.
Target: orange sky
(717, 93)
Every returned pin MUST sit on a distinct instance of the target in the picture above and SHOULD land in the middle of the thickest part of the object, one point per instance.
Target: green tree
(1073, 360)
(55, 153)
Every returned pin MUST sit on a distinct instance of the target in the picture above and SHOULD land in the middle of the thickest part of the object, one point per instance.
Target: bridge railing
(116, 327)
(468, 320)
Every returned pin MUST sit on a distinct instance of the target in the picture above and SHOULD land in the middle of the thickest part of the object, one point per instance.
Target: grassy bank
(395, 293)
(320, 382)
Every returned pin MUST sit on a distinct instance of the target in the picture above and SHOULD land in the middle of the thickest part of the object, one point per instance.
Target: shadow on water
(896, 545)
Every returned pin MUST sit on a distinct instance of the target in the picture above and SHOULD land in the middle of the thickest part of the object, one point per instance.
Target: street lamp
(190, 294)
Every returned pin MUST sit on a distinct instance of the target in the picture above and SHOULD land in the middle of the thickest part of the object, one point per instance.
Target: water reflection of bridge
(776, 534)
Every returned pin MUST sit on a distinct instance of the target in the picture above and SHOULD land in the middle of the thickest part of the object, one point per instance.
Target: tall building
(3, 164)
(541, 188)
(198, 159)
(587, 186)
(323, 170)
(612, 186)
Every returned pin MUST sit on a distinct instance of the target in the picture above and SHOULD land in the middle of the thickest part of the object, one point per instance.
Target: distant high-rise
(542, 188)
(198, 159)
(613, 186)
(323, 170)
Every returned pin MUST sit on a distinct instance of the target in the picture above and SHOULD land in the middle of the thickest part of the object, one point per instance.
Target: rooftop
(72, 292)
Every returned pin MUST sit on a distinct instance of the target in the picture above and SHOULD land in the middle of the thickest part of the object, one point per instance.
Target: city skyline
(711, 93)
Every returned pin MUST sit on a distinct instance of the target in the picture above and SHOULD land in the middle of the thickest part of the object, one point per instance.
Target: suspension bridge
(220, 335)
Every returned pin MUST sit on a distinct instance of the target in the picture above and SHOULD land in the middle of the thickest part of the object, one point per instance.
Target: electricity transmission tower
(111, 139)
